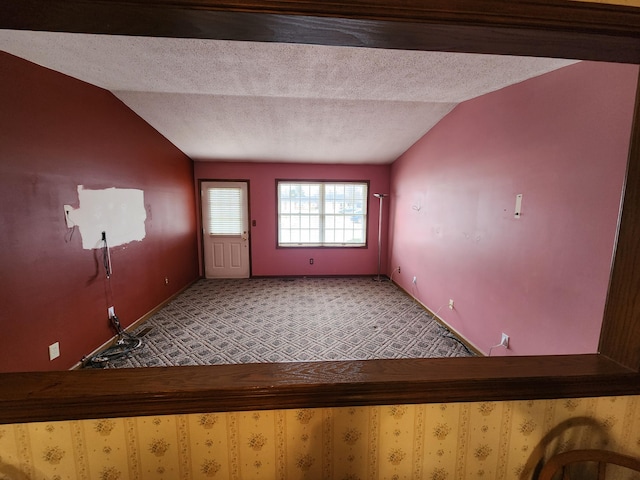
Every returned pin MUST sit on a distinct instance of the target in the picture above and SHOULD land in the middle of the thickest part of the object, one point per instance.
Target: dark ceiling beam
(565, 29)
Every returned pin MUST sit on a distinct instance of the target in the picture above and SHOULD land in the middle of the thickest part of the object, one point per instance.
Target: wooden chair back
(559, 462)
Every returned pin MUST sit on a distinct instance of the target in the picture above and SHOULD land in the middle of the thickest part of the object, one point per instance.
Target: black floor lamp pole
(380, 196)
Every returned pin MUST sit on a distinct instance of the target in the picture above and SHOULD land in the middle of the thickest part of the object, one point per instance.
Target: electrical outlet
(166, 280)
(311, 261)
(54, 350)
(415, 280)
(504, 342)
(111, 311)
(398, 268)
(451, 303)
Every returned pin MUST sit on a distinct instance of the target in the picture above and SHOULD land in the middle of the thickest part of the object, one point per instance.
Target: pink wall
(57, 133)
(562, 141)
(266, 259)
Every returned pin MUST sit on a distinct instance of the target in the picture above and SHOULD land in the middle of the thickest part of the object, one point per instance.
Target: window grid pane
(322, 214)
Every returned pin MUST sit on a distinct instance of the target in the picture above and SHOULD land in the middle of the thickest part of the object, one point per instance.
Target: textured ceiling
(229, 100)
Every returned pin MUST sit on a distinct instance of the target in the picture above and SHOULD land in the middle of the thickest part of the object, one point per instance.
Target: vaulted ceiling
(237, 100)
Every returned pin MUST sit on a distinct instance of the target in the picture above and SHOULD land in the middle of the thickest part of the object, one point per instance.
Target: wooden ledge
(551, 28)
(70, 395)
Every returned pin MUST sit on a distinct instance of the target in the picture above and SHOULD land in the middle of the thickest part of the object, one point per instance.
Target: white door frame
(243, 242)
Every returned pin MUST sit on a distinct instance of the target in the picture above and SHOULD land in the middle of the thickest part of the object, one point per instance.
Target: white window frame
(334, 222)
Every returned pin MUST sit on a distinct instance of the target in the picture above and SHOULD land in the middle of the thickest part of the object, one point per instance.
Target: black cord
(106, 260)
(125, 342)
(450, 335)
(69, 235)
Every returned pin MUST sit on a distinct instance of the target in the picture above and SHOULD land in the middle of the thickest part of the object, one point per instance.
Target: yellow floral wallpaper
(484, 440)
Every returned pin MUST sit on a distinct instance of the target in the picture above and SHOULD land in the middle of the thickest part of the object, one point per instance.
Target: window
(225, 210)
(326, 214)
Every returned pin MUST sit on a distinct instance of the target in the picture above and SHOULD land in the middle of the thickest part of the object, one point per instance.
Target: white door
(225, 223)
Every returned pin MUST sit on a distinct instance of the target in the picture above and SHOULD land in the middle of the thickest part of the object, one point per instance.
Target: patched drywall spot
(119, 212)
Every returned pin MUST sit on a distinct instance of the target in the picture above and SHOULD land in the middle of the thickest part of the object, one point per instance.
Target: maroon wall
(57, 133)
(266, 258)
(562, 141)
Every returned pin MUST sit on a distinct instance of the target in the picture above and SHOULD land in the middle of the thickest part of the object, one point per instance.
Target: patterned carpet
(267, 320)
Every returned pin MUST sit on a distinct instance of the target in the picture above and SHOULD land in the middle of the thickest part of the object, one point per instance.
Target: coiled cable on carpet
(124, 344)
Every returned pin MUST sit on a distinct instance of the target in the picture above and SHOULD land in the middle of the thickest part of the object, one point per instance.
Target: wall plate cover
(518, 210)
(54, 351)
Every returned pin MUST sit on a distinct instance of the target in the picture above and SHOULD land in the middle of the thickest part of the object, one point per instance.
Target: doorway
(225, 220)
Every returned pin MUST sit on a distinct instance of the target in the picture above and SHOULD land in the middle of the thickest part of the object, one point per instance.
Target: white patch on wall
(119, 212)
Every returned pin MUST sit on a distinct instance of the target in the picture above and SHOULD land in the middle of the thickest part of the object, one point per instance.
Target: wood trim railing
(39, 396)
